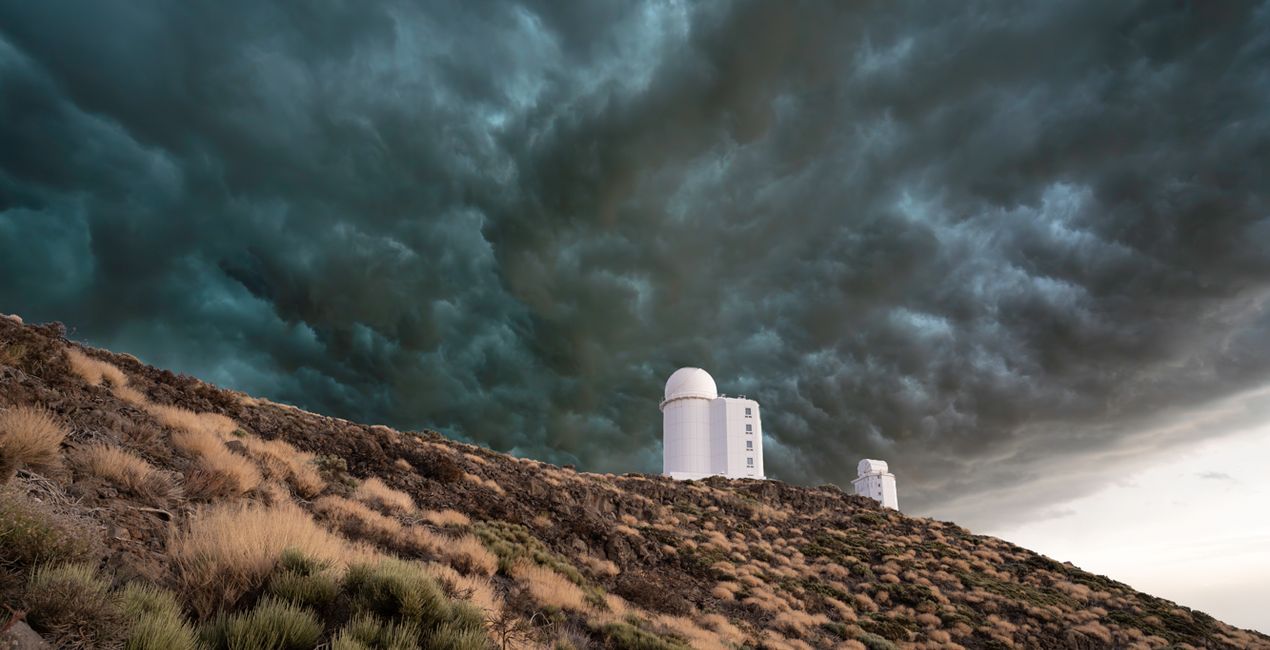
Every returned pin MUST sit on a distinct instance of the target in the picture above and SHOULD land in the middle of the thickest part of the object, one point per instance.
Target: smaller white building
(876, 482)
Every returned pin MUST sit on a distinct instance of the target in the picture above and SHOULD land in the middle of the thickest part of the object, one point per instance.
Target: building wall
(742, 444)
(709, 437)
(686, 443)
(880, 488)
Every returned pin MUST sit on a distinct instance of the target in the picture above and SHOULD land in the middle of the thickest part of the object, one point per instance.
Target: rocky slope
(232, 504)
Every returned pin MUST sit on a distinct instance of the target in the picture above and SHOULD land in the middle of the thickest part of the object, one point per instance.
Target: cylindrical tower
(686, 423)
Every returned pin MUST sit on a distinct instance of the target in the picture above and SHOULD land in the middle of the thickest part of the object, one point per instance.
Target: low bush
(366, 632)
(405, 593)
(34, 533)
(271, 625)
(72, 604)
(155, 620)
(625, 636)
(303, 581)
(29, 437)
(513, 543)
(228, 550)
(874, 642)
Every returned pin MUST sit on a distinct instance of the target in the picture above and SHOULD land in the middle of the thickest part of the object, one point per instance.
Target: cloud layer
(962, 237)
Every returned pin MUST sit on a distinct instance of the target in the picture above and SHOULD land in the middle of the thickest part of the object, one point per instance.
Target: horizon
(1014, 251)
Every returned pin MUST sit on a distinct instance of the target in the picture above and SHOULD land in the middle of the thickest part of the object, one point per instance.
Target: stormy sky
(992, 242)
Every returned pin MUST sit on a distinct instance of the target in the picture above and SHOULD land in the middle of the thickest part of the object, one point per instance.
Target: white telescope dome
(691, 382)
(868, 466)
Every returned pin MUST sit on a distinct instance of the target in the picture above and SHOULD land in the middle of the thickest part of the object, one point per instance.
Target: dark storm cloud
(968, 238)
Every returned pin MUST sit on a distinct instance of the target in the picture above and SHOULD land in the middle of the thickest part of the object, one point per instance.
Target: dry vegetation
(226, 551)
(195, 517)
(29, 437)
(127, 471)
(374, 493)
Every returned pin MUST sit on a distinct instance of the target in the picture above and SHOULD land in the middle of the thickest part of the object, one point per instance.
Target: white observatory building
(876, 482)
(705, 434)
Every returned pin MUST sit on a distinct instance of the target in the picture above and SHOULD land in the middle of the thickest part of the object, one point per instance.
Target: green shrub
(513, 542)
(366, 632)
(625, 636)
(303, 581)
(156, 621)
(32, 534)
(456, 636)
(874, 642)
(73, 604)
(271, 625)
(397, 590)
(404, 594)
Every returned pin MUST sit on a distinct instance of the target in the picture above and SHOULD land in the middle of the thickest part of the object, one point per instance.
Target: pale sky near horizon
(1193, 527)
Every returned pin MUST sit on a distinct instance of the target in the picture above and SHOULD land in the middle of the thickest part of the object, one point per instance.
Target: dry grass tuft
(549, 588)
(374, 492)
(446, 518)
(226, 551)
(357, 520)
(187, 420)
(240, 474)
(469, 555)
(130, 395)
(487, 483)
(600, 567)
(93, 370)
(125, 470)
(475, 589)
(29, 437)
(286, 462)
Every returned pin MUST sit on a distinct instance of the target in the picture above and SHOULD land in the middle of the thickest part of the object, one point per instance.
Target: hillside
(149, 508)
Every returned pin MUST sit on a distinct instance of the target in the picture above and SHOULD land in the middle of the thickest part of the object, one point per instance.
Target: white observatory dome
(868, 466)
(691, 382)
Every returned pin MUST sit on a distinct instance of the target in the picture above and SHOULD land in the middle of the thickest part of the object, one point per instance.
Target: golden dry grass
(600, 566)
(374, 492)
(241, 474)
(475, 589)
(446, 518)
(355, 519)
(548, 588)
(228, 550)
(469, 555)
(489, 484)
(126, 471)
(187, 420)
(94, 371)
(130, 395)
(29, 437)
(288, 463)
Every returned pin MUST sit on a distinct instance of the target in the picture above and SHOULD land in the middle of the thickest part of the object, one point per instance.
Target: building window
(749, 462)
(749, 428)
(749, 444)
(747, 412)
